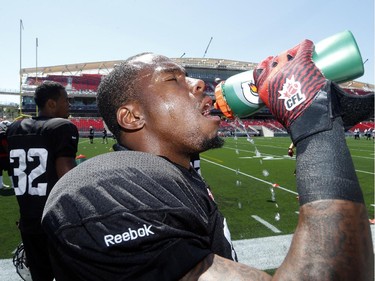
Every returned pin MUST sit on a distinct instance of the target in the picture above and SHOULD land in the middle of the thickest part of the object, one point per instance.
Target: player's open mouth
(206, 110)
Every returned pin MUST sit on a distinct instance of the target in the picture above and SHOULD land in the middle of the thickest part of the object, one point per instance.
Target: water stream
(240, 127)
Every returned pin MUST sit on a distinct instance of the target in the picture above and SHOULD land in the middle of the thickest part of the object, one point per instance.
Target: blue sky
(92, 30)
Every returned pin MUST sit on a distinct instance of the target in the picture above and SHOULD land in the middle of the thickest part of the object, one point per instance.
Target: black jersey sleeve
(128, 216)
(63, 135)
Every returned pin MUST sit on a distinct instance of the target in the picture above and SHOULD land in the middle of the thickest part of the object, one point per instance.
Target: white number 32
(25, 180)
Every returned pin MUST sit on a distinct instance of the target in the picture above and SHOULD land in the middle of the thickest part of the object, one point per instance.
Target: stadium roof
(105, 67)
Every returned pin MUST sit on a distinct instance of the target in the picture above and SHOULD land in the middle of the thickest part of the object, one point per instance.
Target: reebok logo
(131, 234)
(291, 94)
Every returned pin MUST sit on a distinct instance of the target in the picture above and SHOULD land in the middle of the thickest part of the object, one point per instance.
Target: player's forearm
(325, 168)
(216, 268)
(333, 226)
(336, 243)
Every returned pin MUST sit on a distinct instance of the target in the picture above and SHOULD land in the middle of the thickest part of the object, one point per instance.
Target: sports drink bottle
(338, 57)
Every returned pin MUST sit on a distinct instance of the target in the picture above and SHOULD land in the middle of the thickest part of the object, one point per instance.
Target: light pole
(36, 60)
(21, 28)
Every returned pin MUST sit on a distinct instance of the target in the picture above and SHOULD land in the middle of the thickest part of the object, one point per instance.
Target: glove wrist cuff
(317, 118)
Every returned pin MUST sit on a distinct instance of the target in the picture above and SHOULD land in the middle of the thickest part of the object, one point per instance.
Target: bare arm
(333, 239)
(332, 242)
(64, 165)
(216, 268)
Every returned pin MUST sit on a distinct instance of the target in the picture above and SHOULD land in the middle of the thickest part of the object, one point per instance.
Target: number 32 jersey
(34, 146)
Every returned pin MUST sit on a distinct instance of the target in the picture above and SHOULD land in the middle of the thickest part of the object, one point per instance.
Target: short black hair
(117, 88)
(47, 90)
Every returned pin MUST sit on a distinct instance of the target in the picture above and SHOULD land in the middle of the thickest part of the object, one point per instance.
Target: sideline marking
(214, 159)
(363, 157)
(249, 176)
(266, 224)
(364, 172)
(269, 157)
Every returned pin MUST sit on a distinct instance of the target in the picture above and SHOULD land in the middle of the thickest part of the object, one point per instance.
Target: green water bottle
(338, 57)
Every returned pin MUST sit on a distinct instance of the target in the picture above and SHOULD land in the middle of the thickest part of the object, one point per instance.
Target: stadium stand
(83, 124)
(82, 80)
(363, 126)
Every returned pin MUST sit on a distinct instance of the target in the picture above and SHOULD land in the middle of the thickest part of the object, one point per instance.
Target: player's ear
(50, 107)
(129, 116)
(51, 103)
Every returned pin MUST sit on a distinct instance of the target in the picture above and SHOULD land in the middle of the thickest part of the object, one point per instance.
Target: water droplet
(273, 195)
(250, 140)
(265, 173)
(257, 153)
(277, 217)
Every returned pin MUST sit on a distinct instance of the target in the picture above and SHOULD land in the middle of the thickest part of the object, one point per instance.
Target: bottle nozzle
(221, 102)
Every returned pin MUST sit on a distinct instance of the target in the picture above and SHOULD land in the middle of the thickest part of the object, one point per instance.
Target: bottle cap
(338, 57)
(221, 102)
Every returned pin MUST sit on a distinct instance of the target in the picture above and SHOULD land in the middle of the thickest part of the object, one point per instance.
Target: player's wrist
(331, 171)
(313, 120)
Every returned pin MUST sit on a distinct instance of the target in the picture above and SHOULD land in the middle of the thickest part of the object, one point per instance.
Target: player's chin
(213, 141)
(209, 130)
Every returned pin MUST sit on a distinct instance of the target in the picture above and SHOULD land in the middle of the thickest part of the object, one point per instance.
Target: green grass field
(241, 176)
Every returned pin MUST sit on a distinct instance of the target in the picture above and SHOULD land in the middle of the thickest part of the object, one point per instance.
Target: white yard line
(249, 176)
(365, 172)
(363, 157)
(266, 224)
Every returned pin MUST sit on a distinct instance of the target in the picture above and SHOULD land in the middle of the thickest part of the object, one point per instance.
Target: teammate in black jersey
(4, 154)
(104, 137)
(41, 150)
(146, 214)
(91, 134)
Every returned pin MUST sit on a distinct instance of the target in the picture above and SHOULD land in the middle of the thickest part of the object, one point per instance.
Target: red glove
(288, 83)
(299, 96)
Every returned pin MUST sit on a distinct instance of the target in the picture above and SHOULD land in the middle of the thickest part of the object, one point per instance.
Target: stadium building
(82, 80)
